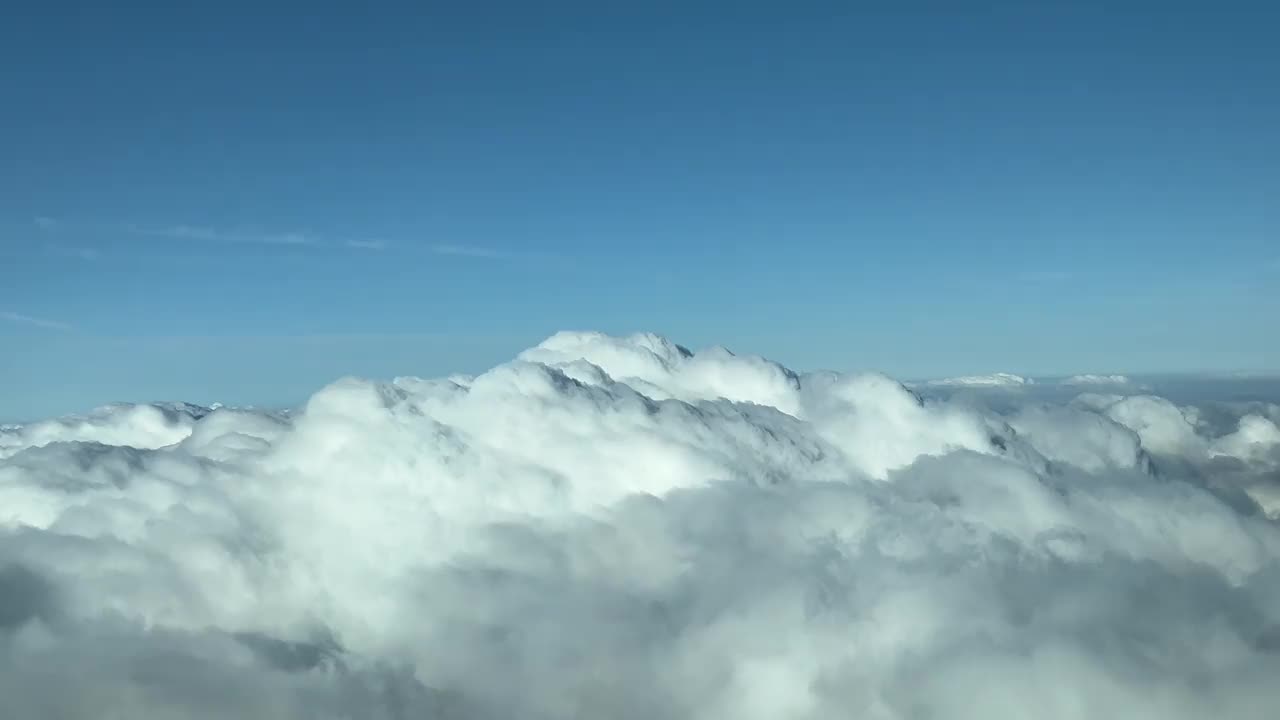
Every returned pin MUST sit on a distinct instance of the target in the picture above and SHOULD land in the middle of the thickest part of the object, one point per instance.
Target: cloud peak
(620, 527)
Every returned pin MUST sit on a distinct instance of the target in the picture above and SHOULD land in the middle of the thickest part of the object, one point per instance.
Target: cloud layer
(619, 527)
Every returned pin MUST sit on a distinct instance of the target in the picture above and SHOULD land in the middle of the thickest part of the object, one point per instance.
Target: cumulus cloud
(624, 528)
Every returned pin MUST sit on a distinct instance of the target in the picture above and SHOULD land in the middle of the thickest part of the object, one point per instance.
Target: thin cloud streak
(52, 226)
(296, 239)
(79, 253)
(21, 319)
(208, 234)
(219, 236)
(473, 252)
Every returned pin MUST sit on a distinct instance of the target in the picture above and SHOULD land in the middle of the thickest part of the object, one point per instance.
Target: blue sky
(241, 203)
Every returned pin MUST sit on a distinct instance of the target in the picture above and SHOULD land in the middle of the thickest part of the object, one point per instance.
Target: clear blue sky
(243, 201)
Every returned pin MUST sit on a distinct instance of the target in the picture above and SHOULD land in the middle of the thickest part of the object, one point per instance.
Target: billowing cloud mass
(621, 528)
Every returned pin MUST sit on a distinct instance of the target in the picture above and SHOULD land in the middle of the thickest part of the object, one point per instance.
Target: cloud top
(621, 527)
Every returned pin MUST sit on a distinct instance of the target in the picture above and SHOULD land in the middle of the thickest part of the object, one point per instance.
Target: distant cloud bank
(1097, 380)
(992, 380)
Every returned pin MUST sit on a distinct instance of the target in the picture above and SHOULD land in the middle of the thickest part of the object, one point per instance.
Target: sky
(240, 203)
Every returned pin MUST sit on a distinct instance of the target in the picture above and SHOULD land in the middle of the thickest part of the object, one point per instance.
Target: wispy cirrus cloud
(302, 239)
(298, 239)
(79, 253)
(51, 228)
(208, 234)
(473, 252)
(21, 319)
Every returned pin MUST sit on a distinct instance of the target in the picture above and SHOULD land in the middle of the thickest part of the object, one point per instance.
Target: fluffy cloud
(619, 527)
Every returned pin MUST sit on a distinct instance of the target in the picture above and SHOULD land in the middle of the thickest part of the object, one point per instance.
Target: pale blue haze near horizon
(242, 202)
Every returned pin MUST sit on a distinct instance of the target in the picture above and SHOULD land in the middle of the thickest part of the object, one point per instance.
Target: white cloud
(1097, 380)
(184, 232)
(291, 238)
(208, 234)
(52, 227)
(1256, 438)
(472, 252)
(34, 321)
(366, 244)
(1163, 426)
(992, 380)
(79, 253)
(619, 527)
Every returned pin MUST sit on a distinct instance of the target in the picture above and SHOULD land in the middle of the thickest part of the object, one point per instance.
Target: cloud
(1097, 380)
(299, 239)
(52, 227)
(1005, 380)
(34, 321)
(188, 232)
(366, 244)
(621, 527)
(207, 234)
(79, 253)
(283, 239)
(296, 239)
(473, 252)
